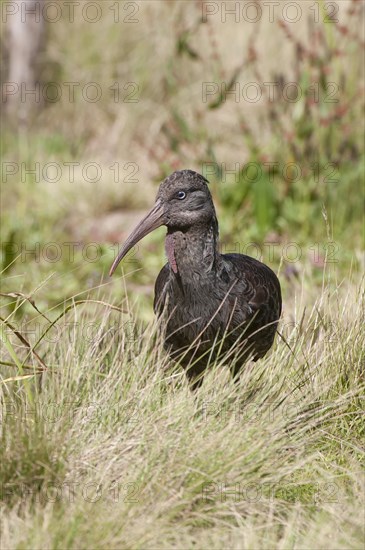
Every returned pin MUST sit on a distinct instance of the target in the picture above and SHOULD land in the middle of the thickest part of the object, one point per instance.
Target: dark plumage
(206, 295)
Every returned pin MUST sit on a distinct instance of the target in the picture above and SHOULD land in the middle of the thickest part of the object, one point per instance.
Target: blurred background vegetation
(267, 108)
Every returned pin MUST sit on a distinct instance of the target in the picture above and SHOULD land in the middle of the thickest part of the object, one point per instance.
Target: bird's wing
(257, 285)
(258, 297)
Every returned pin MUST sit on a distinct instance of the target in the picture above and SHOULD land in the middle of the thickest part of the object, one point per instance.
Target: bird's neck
(193, 253)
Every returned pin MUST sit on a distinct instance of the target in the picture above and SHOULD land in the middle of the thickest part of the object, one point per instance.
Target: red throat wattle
(170, 251)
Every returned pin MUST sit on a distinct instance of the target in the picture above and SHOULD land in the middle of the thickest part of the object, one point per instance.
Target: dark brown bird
(215, 304)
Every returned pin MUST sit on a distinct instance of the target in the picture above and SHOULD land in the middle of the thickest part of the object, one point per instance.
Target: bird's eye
(181, 195)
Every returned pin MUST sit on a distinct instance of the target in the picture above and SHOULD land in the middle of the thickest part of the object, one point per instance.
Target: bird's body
(214, 304)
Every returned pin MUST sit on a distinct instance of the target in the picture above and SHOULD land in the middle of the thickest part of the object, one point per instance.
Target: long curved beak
(153, 220)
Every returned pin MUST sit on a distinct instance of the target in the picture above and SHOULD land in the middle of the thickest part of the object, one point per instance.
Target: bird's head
(183, 200)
